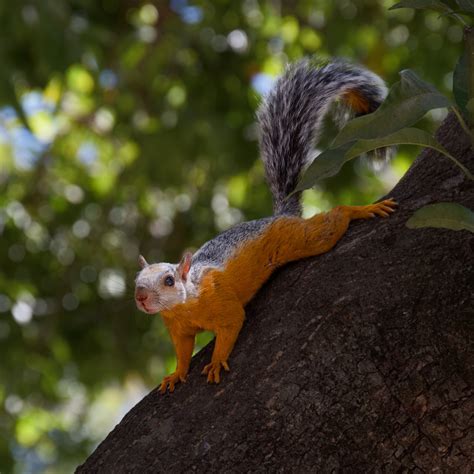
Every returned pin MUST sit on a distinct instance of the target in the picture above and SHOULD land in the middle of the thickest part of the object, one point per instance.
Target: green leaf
(326, 164)
(330, 161)
(421, 5)
(406, 136)
(447, 215)
(407, 102)
(460, 87)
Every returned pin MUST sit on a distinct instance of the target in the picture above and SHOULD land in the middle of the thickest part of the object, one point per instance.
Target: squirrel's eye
(169, 281)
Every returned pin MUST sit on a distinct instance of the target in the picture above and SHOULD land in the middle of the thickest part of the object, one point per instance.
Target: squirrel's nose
(141, 293)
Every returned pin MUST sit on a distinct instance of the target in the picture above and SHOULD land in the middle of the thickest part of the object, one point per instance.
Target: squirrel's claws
(169, 382)
(213, 370)
(387, 208)
(383, 208)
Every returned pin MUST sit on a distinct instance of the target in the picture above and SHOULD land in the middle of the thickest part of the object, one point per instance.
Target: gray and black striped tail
(291, 118)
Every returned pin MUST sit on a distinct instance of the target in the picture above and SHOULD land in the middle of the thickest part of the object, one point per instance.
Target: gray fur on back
(219, 249)
(291, 115)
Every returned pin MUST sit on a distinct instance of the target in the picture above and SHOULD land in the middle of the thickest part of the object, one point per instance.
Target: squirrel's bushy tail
(291, 118)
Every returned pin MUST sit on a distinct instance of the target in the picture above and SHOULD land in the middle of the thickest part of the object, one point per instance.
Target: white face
(161, 286)
(158, 287)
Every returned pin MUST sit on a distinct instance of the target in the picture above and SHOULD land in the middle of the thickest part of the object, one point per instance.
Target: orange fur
(224, 293)
(356, 101)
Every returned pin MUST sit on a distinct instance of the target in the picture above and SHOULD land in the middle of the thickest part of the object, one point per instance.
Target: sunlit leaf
(447, 215)
(54, 90)
(42, 126)
(289, 29)
(80, 80)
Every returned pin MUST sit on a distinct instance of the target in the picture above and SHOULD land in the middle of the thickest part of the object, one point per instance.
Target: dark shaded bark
(359, 360)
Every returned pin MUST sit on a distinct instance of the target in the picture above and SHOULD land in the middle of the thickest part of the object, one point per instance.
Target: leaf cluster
(406, 103)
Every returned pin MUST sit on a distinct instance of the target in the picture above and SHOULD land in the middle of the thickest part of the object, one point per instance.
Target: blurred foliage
(129, 126)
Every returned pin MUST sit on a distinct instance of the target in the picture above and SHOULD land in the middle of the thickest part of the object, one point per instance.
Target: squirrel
(209, 290)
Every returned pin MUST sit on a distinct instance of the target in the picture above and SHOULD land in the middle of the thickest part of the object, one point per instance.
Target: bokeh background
(129, 126)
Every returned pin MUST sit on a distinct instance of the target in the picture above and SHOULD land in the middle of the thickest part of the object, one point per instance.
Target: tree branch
(356, 360)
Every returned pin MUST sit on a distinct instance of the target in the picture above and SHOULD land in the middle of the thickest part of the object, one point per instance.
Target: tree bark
(359, 360)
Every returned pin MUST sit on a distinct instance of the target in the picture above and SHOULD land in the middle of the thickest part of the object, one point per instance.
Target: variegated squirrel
(209, 290)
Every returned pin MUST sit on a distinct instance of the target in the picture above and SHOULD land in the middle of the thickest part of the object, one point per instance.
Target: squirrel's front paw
(213, 370)
(170, 380)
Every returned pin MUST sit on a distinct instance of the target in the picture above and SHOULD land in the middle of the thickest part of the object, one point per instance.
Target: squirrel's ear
(185, 265)
(142, 262)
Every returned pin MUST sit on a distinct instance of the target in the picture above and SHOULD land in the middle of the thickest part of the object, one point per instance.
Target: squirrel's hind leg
(322, 231)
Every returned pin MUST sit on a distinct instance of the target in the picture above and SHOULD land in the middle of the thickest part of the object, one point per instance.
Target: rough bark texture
(359, 360)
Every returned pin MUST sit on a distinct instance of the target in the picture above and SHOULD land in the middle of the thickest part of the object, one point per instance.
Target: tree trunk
(358, 360)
